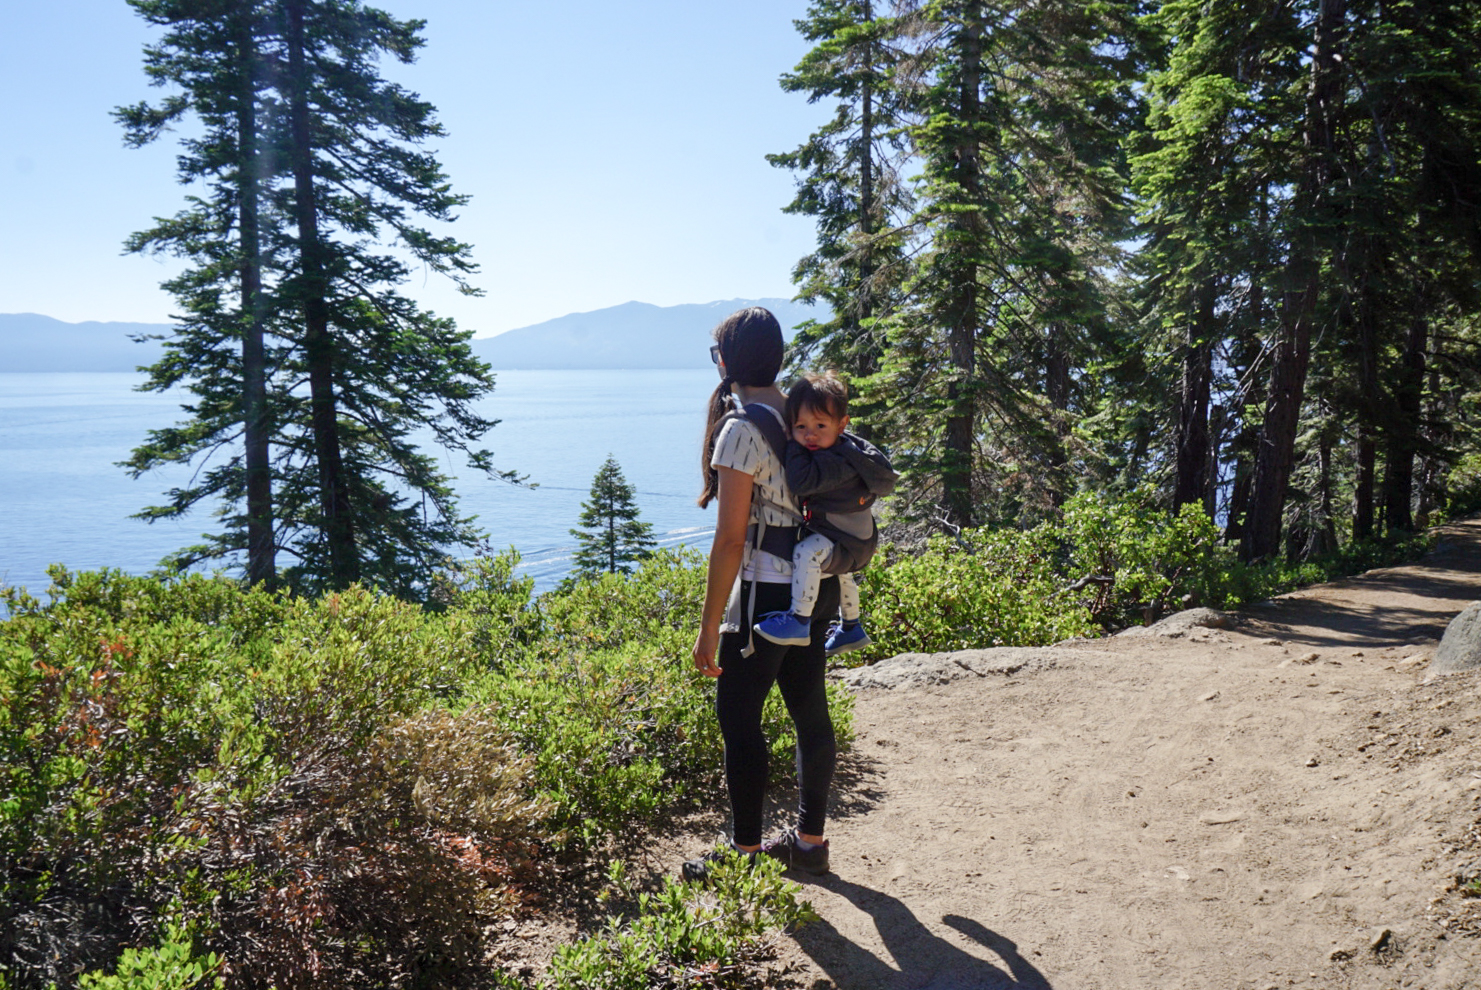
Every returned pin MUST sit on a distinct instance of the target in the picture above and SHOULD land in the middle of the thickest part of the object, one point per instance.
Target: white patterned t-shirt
(741, 446)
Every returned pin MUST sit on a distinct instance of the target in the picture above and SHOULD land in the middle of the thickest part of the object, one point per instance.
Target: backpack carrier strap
(779, 541)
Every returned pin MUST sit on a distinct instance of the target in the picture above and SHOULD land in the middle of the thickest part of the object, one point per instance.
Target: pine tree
(849, 179)
(336, 176)
(1218, 140)
(612, 537)
(1314, 214)
(211, 52)
(1020, 208)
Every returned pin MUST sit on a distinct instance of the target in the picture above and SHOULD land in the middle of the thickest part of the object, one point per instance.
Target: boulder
(1460, 647)
(920, 669)
(1182, 623)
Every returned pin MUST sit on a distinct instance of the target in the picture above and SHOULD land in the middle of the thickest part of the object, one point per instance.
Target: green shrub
(288, 771)
(686, 935)
(985, 588)
(170, 965)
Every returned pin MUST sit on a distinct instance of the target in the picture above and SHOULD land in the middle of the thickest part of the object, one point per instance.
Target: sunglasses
(715, 353)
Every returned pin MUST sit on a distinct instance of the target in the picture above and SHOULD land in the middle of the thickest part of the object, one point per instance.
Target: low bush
(685, 935)
(1100, 567)
(342, 791)
(312, 791)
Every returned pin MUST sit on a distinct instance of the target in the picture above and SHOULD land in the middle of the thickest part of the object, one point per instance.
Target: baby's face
(815, 429)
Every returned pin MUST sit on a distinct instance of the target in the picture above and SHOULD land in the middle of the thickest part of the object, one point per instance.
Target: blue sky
(613, 151)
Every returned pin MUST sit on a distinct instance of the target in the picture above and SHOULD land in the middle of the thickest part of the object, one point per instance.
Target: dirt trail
(1251, 808)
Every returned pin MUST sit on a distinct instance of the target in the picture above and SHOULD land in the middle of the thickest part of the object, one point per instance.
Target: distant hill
(633, 335)
(31, 342)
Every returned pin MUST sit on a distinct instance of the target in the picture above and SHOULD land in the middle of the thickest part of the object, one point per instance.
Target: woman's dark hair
(817, 393)
(750, 342)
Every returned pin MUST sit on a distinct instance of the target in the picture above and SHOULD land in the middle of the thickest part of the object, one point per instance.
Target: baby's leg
(808, 559)
(848, 597)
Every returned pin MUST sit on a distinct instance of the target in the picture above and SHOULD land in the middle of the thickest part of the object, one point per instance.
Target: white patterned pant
(808, 558)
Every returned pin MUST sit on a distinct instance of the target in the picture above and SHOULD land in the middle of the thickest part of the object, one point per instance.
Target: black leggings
(743, 686)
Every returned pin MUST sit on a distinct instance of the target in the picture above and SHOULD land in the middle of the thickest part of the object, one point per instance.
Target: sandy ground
(1282, 804)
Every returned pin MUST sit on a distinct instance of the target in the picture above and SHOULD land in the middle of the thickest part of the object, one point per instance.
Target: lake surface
(64, 500)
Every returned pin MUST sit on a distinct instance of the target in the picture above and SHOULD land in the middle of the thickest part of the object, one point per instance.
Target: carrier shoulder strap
(769, 422)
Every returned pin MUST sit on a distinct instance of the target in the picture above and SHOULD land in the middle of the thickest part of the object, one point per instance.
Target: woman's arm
(725, 561)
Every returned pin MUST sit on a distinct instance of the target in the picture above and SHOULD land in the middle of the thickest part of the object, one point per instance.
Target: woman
(747, 480)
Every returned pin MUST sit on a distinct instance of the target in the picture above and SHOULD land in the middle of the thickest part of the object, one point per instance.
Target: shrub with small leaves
(170, 965)
(686, 935)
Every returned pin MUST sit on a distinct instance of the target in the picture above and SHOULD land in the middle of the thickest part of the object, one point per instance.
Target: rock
(1182, 623)
(1380, 939)
(1460, 648)
(1221, 817)
(919, 669)
(1339, 955)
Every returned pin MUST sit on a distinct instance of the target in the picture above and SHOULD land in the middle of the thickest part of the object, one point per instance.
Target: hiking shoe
(785, 628)
(842, 639)
(793, 857)
(697, 870)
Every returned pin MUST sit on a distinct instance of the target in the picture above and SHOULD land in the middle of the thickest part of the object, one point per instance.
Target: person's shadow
(922, 960)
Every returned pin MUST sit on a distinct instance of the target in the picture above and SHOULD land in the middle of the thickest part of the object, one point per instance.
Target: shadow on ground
(919, 959)
(1335, 620)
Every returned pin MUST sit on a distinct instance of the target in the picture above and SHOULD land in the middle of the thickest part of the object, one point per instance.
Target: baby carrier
(843, 516)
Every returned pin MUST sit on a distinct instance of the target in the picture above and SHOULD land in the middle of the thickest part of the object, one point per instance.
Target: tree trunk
(261, 545)
(1218, 417)
(1057, 391)
(960, 440)
(1398, 473)
(1193, 440)
(1368, 392)
(1362, 496)
(319, 346)
(1326, 527)
(1291, 356)
(866, 357)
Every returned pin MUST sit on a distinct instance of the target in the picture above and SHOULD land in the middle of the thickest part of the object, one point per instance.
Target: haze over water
(64, 500)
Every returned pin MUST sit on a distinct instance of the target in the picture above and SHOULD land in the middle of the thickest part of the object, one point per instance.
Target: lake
(64, 500)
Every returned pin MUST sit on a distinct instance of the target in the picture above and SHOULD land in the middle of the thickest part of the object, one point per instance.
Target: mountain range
(630, 336)
(31, 342)
(633, 335)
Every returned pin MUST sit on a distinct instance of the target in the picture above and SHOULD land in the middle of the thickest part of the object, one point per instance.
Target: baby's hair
(820, 393)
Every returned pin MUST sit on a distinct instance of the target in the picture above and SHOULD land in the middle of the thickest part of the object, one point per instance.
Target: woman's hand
(725, 560)
(705, 645)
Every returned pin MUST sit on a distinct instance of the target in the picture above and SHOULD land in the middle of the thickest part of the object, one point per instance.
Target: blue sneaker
(844, 640)
(785, 628)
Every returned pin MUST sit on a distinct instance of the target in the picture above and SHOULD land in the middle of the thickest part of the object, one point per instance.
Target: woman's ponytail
(719, 405)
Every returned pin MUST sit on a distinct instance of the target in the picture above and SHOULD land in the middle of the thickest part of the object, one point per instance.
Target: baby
(836, 476)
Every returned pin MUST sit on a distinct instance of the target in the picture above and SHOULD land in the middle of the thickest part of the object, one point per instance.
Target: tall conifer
(849, 179)
(211, 52)
(341, 188)
(1020, 207)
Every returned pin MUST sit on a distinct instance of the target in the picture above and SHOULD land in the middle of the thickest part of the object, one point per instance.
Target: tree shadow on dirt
(922, 960)
(1313, 622)
(1322, 616)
